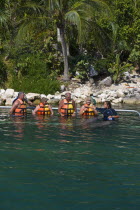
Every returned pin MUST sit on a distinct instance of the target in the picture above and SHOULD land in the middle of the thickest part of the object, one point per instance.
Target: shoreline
(127, 92)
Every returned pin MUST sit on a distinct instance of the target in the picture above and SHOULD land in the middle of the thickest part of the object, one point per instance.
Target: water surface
(58, 163)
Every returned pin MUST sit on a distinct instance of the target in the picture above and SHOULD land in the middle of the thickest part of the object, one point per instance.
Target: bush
(36, 85)
(3, 74)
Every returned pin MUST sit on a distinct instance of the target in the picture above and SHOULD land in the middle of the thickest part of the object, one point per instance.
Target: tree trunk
(61, 33)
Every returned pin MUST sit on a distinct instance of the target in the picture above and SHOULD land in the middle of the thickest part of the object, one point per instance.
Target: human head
(44, 100)
(88, 100)
(107, 104)
(21, 95)
(68, 96)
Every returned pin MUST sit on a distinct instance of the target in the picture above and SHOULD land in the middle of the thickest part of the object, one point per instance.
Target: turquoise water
(57, 163)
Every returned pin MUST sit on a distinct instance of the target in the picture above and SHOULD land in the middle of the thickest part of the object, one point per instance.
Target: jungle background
(44, 43)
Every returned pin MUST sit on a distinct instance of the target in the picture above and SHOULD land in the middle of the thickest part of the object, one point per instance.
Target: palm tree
(61, 13)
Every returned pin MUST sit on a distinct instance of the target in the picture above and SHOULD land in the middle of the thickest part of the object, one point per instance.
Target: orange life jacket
(44, 109)
(67, 109)
(89, 111)
(21, 110)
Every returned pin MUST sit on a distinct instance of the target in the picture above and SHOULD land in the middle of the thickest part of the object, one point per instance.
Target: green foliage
(81, 69)
(28, 38)
(36, 85)
(135, 53)
(3, 74)
(117, 69)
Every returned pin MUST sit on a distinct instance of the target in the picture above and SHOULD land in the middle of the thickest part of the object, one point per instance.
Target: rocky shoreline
(127, 92)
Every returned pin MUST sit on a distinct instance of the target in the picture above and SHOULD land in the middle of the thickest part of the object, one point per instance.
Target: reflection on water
(69, 163)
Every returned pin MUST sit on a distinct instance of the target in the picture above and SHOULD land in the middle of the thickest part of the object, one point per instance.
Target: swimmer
(88, 109)
(107, 111)
(43, 108)
(18, 107)
(67, 106)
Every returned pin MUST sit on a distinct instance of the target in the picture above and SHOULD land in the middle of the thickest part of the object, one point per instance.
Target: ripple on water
(73, 164)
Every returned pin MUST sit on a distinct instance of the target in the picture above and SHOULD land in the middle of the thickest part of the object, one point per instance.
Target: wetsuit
(107, 112)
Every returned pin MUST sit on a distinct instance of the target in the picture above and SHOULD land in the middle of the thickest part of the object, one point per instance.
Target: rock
(36, 101)
(50, 96)
(129, 100)
(137, 95)
(120, 93)
(53, 101)
(9, 101)
(98, 100)
(117, 100)
(2, 91)
(43, 96)
(9, 93)
(106, 82)
(57, 97)
(91, 80)
(78, 100)
(33, 96)
(15, 94)
(62, 88)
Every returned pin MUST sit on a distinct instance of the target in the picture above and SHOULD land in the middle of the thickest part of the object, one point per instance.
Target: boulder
(62, 88)
(120, 93)
(2, 91)
(9, 93)
(129, 100)
(50, 96)
(106, 82)
(98, 100)
(57, 97)
(32, 96)
(9, 101)
(15, 94)
(43, 96)
(117, 100)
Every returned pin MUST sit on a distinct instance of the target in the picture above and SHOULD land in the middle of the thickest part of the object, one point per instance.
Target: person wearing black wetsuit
(107, 111)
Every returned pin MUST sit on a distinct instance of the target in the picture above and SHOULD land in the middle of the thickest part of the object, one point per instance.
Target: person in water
(25, 100)
(43, 108)
(107, 111)
(67, 106)
(19, 107)
(88, 109)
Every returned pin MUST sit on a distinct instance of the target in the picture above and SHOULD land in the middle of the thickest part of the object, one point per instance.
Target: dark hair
(108, 104)
(20, 93)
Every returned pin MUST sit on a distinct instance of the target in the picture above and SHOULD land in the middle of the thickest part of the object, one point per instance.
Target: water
(55, 163)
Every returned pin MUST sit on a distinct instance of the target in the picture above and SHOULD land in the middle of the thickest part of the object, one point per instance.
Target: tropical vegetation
(43, 43)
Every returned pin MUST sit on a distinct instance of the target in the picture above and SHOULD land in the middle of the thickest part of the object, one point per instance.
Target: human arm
(13, 108)
(35, 110)
(50, 109)
(114, 114)
(82, 110)
(74, 107)
(59, 108)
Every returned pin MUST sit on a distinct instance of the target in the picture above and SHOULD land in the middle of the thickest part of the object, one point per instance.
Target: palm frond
(74, 18)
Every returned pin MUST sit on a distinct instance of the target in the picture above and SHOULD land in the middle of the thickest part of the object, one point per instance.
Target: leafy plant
(3, 74)
(117, 68)
(135, 53)
(37, 85)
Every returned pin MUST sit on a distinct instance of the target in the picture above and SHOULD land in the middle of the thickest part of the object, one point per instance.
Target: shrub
(36, 85)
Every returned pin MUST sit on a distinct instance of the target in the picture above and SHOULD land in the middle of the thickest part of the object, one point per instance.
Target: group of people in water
(67, 107)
